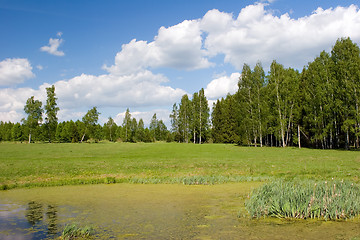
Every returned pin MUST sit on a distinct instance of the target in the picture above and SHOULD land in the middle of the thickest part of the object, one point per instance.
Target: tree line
(33, 128)
(318, 107)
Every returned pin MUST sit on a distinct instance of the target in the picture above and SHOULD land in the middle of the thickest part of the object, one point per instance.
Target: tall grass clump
(328, 200)
(73, 231)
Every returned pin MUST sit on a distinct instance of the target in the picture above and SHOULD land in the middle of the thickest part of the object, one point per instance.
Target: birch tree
(34, 111)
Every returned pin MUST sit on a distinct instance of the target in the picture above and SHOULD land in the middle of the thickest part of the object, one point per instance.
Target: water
(131, 211)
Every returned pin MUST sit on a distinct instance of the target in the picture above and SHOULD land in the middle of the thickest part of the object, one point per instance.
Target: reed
(304, 199)
(73, 231)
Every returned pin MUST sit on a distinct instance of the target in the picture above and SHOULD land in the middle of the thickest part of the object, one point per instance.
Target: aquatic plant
(302, 199)
(75, 232)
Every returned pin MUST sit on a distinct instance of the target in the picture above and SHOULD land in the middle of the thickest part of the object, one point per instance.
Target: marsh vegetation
(329, 200)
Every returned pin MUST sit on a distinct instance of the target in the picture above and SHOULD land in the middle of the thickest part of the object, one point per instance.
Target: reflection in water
(51, 219)
(34, 213)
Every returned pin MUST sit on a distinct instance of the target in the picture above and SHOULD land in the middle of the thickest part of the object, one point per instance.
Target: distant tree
(225, 120)
(133, 130)
(17, 132)
(161, 130)
(110, 129)
(217, 119)
(283, 86)
(34, 111)
(147, 137)
(140, 132)
(90, 120)
(346, 69)
(51, 110)
(126, 126)
(174, 118)
(204, 115)
(154, 130)
(185, 118)
(5, 131)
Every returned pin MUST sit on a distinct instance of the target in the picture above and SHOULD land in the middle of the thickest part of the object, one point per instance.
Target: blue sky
(144, 55)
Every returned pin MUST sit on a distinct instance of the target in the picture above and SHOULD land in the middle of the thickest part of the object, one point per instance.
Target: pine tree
(185, 118)
(127, 126)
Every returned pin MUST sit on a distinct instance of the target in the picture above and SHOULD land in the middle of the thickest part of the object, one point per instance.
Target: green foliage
(225, 120)
(90, 121)
(318, 108)
(158, 129)
(34, 111)
(329, 200)
(73, 231)
(190, 121)
(51, 110)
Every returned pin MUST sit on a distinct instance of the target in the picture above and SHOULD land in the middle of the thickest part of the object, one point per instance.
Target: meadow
(29, 165)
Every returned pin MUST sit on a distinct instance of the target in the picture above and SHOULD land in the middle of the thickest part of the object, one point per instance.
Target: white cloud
(221, 86)
(11, 116)
(179, 47)
(138, 89)
(52, 48)
(12, 101)
(40, 67)
(14, 71)
(256, 34)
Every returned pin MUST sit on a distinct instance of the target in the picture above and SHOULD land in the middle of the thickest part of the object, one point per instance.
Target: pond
(134, 211)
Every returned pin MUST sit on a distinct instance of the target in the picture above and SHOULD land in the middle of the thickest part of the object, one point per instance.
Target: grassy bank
(26, 165)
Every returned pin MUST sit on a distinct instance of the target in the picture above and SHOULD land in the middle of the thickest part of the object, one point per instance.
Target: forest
(317, 108)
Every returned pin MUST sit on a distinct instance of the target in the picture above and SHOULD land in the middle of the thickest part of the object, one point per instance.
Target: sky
(145, 55)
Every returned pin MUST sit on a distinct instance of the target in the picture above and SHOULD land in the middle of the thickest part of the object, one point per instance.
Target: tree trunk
(82, 138)
(200, 121)
(299, 136)
(30, 137)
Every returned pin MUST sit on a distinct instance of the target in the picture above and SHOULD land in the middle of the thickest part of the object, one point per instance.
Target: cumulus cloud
(179, 47)
(221, 86)
(139, 89)
(52, 48)
(252, 35)
(12, 101)
(14, 71)
(256, 34)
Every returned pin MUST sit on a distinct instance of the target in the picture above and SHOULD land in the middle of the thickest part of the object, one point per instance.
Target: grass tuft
(75, 232)
(328, 200)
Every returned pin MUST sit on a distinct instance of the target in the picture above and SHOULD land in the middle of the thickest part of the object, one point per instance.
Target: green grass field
(26, 165)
